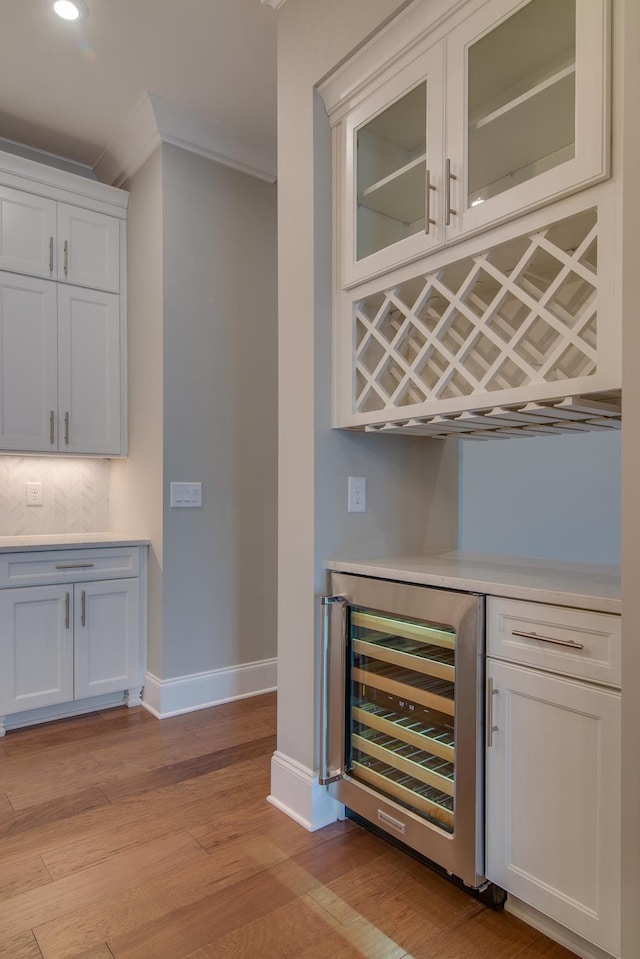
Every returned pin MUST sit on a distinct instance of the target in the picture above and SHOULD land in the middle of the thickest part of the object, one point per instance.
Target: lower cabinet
(553, 769)
(69, 641)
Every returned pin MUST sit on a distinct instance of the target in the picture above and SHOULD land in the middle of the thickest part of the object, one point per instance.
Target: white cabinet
(62, 312)
(27, 232)
(60, 368)
(71, 629)
(37, 648)
(71, 244)
(553, 764)
(475, 222)
(500, 109)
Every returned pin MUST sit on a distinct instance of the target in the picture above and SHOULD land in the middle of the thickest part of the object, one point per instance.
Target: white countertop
(581, 585)
(9, 544)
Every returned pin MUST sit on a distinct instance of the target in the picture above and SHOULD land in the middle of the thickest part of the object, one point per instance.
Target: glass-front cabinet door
(526, 107)
(394, 142)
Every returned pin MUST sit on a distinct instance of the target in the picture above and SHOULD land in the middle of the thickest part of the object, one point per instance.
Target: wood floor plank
(186, 929)
(5, 805)
(29, 873)
(282, 933)
(114, 874)
(191, 768)
(89, 836)
(53, 811)
(23, 946)
(483, 935)
(543, 948)
(121, 914)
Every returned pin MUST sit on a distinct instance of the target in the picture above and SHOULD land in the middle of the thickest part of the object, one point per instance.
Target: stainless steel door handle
(491, 729)
(67, 603)
(523, 634)
(428, 187)
(83, 608)
(448, 177)
(329, 772)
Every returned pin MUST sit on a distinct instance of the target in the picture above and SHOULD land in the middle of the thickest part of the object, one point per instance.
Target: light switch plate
(185, 495)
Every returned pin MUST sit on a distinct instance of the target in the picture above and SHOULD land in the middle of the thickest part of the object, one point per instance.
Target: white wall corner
(185, 694)
(132, 145)
(156, 120)
(276, 4)
(295, 791)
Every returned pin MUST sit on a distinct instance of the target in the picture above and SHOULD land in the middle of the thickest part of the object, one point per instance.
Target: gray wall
(220, 421)
(202, 407)
(555, 497)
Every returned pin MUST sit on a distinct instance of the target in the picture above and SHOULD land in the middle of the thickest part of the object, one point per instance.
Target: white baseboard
(295, 791)
(185, 694)
(552, 929)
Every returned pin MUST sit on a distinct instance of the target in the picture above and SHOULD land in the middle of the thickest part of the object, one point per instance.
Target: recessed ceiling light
(69, 10)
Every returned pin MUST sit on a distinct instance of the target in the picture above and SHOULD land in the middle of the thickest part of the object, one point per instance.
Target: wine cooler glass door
(401, 717)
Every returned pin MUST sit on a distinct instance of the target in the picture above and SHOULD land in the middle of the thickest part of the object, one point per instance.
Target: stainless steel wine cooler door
(403, 715)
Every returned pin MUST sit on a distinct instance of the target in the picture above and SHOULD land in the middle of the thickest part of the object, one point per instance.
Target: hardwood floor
(122, 837)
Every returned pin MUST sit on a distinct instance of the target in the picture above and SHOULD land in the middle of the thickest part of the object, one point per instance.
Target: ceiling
(69, 88)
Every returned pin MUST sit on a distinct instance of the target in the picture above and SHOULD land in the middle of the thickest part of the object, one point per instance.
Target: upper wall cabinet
(500, 108)
(71, 244)
(63, 315)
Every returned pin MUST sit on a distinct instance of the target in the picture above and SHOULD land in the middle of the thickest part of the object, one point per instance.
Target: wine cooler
(402, 715)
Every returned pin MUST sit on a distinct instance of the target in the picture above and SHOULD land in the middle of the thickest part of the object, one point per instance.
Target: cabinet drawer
(573, 642)
(70, 565)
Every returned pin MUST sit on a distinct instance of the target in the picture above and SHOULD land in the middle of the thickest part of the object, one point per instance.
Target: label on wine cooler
(391, 822)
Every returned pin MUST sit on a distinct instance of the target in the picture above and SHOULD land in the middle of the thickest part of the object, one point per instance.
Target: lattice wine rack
(497, 341)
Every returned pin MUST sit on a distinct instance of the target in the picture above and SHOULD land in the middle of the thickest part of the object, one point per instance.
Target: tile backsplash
(75, 495)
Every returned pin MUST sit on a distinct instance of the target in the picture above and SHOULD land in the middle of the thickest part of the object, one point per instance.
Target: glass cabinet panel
(390, 174)
(401, 715)
(521, 96)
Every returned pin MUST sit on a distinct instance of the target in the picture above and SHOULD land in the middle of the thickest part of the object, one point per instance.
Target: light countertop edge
(579, 585)
(11, 544)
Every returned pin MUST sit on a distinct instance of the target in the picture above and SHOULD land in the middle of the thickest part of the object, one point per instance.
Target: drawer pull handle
(547, 639)
(75, 565)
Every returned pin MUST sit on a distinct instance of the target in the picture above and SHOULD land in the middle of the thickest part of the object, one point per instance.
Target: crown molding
(276, 4)
(156, 120)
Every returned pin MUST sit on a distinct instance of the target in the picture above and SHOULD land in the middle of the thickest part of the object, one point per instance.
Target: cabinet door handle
(448, 177)
(66, 428)
(491, 729)
(428, 187)
(83, 608)
(547, 639)
(66, 257)
(51, 426)
(67, 602)
(50, 254)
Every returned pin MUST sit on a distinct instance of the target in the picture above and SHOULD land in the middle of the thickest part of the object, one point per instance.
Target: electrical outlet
(357, 494)
(34, 494)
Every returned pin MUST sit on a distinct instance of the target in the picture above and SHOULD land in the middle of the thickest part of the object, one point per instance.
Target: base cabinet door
(36, 648)
(553, 798)
(106, 629)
